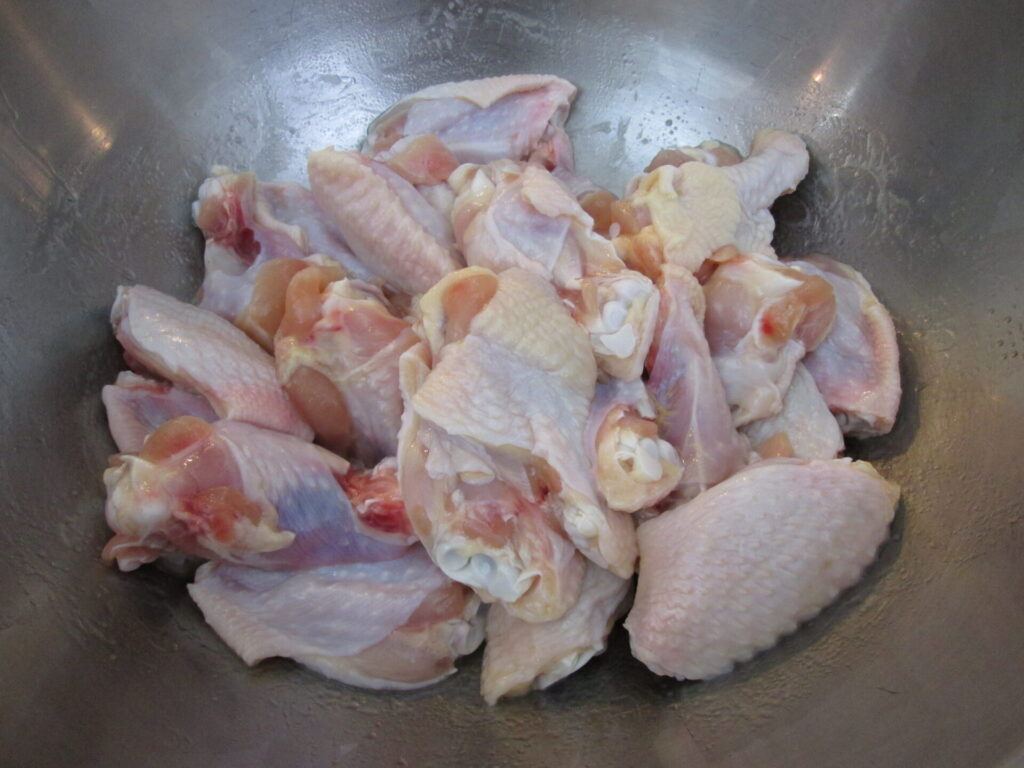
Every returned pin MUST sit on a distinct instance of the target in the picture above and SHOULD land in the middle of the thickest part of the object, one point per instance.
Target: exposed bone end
(635, 468)
(621, 311)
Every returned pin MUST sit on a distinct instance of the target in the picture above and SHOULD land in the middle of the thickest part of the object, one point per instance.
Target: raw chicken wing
(514, 215)
(201, 351)
(725, 575)
(136, 406)
(519, 378)
(517, 117)
(479, 514)
(761, 318)
(520, 656)
(393, 230)
(393, 625)
(337, 351)
(857, 366)
(634, 468)
(234, 492)
(249, 224)
(685, 214)
(687, 390)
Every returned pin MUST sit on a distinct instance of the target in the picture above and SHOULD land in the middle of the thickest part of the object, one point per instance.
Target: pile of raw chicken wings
(452, 392)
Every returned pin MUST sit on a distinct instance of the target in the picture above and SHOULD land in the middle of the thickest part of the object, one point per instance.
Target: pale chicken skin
(519, 215)
(522, 378)
(725, 575)
(201, 351)
(761, 318)
(389, 225)
(804, 429)
(234, 492)
(137, 406)
(685, 384)
(337, 349)
(393, 625)
(857, 366)
(521, 656)
(515, 117)
(492, 443)
(685, 214)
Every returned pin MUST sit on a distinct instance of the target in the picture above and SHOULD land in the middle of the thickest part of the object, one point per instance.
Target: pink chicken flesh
(725, 575)
(377, 501)
(394, 625)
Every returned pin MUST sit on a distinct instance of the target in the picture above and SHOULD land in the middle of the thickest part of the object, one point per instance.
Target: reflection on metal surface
(47, 67)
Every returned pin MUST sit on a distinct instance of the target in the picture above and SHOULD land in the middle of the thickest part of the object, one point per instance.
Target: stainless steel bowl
(112, 110)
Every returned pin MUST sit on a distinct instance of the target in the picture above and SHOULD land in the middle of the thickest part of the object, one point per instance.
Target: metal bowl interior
(111, 112)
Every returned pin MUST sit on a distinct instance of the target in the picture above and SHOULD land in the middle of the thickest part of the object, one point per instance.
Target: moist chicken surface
(451, 384)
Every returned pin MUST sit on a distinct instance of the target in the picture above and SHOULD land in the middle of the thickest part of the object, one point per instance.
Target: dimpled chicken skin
(725, 575)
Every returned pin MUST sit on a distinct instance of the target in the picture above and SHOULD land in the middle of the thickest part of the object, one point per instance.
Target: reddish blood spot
(246, 246)
(706, 270)
(376, 499)
(780, 319)
(227, 227)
